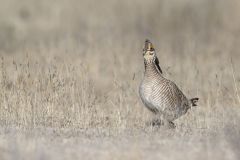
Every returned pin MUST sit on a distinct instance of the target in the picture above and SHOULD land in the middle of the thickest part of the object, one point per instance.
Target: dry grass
(70, 72)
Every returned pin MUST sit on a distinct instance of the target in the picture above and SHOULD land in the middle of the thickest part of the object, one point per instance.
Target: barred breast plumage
(160, 95)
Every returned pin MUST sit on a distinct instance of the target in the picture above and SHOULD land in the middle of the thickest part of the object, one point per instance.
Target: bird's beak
(148, 45)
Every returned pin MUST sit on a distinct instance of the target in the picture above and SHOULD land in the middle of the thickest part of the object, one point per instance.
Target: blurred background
(54, 23)
(113, 31)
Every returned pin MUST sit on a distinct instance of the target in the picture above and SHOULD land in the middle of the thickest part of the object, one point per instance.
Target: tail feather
(194, 101)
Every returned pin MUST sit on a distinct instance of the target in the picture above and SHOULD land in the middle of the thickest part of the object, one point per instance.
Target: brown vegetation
(70, 72)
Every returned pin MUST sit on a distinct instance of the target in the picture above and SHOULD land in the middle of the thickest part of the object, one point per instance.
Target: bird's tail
(194, 101)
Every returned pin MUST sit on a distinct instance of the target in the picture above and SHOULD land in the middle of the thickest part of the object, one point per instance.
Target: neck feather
(151, 68)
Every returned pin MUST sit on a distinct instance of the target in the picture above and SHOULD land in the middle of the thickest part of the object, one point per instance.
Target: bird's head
(149, 53)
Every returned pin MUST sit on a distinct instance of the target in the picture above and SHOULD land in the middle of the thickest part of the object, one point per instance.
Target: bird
(159, 94)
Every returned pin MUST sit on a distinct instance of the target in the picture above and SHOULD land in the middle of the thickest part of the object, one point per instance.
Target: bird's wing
(180, 97)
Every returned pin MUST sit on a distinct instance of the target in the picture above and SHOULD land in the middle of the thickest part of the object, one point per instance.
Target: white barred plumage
(160, 95)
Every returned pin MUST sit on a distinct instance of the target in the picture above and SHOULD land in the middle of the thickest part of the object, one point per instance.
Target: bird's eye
(151, 53)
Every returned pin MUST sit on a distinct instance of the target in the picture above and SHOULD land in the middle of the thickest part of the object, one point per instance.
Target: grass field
(70, 71)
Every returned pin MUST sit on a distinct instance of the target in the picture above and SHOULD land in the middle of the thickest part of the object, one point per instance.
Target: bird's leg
(169, 124)
(156, 121)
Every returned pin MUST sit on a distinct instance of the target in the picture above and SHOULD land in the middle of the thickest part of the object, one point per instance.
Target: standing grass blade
(235, 82)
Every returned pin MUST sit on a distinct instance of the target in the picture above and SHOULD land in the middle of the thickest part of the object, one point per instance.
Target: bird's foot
(170, 125)
(161, 123)
(155, 123)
